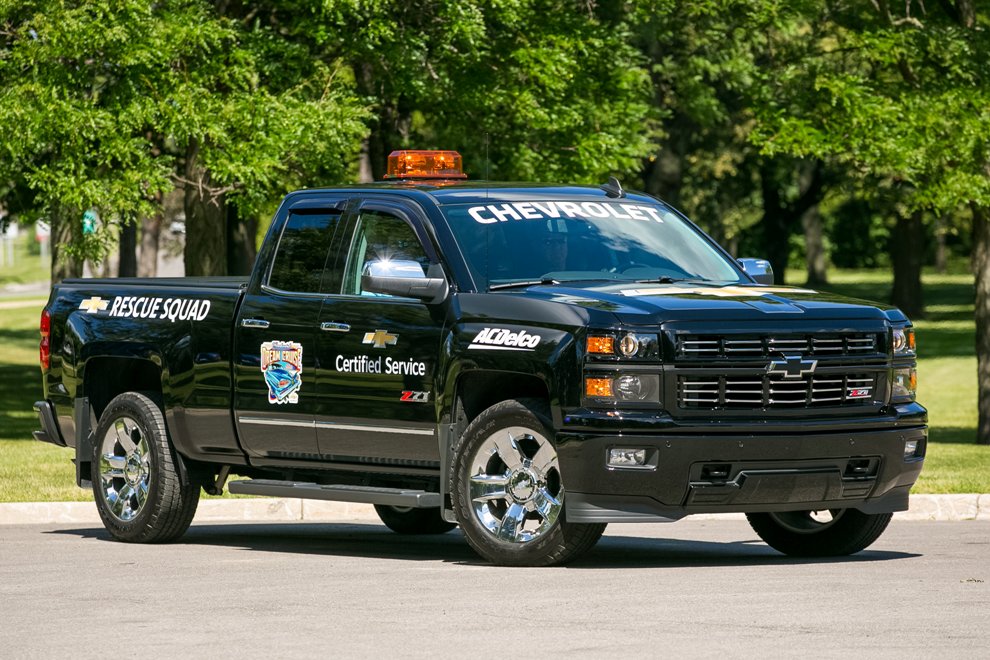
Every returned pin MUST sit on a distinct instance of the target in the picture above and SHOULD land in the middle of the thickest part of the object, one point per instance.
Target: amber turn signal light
(599, 387)
(601, 345)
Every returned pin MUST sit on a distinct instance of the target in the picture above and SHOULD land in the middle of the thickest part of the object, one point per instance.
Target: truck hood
(648, 304)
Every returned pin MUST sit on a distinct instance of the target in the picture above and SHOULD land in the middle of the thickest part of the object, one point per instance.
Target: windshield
(564, 241)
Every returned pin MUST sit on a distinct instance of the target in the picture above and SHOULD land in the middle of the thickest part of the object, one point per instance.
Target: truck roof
(473, 192)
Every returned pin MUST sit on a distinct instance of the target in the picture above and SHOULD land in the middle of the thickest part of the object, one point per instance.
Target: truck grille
(761, 390)
(703, 347)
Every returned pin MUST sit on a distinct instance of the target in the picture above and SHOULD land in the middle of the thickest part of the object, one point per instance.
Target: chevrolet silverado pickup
(527, 362)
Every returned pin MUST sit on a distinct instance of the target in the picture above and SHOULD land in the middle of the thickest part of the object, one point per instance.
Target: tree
(906, 97)
(712, 67)
(109, 107)
(565, 101)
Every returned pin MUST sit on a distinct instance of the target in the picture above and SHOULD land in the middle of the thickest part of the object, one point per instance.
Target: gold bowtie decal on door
(380, 338)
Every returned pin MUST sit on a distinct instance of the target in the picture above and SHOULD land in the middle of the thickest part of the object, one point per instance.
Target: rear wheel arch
(106, 377)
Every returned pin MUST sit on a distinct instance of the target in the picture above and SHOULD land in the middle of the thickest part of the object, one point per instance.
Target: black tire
(799, 534)
(404, 520)
(535, 481)
(141, 494)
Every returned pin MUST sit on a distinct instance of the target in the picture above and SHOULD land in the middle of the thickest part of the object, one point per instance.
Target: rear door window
(301, 258)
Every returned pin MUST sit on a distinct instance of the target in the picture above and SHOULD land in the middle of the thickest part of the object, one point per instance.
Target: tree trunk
(814, 246)
(663, 175)
(908, 250)
(66, 229)
(780, 217)
(206, 232)
(941, 250)
(127, 263)
(364, 164)
(981, 268)
(774, 225)
(241, 236)
(151, 231)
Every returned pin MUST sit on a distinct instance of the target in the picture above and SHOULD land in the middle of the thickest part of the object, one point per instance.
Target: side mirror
(759, 269)
(405, 279)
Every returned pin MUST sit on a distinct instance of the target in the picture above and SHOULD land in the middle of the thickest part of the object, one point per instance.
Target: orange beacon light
(424, 164)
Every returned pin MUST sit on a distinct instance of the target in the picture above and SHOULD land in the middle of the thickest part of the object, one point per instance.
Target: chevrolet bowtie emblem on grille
(792, 366)
(94, 305)
(380, 338)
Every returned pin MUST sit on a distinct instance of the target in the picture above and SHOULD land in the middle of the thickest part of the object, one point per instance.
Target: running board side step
(416, 499)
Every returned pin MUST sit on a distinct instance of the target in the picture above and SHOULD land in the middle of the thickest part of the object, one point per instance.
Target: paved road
(690, 589)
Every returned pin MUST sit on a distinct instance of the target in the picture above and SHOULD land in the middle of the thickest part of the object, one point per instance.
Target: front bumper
(865, 470)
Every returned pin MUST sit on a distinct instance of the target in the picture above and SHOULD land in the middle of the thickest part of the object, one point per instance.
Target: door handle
(333, 326)
(254, 323)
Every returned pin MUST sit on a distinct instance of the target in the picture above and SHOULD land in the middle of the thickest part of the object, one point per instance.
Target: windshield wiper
(518, 285)
(664, 280)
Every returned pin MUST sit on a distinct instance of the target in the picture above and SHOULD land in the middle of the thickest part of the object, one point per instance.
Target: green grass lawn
(26, 268)
(34, 471)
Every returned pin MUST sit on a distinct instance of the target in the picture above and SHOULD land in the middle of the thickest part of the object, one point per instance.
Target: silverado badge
(281, 363)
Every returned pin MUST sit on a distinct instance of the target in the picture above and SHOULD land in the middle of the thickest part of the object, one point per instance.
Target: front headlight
(622, 388)
(905, 385)
(623, 345)
(903, 341)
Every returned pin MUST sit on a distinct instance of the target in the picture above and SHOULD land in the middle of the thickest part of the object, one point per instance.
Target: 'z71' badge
(281, 363)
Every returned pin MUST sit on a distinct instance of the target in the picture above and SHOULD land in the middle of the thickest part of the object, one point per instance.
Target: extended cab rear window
(302, 251)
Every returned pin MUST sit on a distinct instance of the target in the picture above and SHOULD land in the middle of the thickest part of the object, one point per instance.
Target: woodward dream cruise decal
(142, 307)
(502, 339)
(719, 292)
(281, 363)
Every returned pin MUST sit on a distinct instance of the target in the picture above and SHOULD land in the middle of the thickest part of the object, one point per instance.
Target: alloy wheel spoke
(509, 451)
(545, 459)
(547, 504)
(117, 504)
(487, 487)
(511, 527)
(142, 492)
(112, 466)
(124, 436)
(142, 449)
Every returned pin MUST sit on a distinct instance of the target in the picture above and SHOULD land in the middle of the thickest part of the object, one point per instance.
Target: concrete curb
(283, 509)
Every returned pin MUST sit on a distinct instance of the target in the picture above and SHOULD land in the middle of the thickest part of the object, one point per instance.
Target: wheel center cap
(133, 469)
(522, 485)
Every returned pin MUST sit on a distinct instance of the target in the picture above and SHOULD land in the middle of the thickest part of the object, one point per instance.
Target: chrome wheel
(125, 468)
(515, 488)
(807, 522)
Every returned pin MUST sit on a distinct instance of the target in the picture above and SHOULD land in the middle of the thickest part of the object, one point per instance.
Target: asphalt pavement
(696, 588)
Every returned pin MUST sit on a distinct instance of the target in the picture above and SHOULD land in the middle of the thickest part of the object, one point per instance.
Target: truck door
(275, 337)
(380, 352)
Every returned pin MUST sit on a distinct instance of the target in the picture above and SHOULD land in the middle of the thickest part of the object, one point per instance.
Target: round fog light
(629, 345)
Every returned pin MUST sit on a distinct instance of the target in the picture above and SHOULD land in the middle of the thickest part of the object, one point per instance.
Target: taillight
(45, 350)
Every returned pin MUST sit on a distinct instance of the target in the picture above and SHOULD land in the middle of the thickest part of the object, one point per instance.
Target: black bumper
(49, 427)
(864, 470)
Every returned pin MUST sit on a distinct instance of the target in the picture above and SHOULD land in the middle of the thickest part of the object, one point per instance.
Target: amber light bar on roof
(424, 164)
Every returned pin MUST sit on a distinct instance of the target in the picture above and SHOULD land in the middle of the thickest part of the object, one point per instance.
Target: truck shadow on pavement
(376, 541)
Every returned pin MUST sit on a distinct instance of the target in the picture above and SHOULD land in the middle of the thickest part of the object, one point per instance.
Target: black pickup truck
(529, 362)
